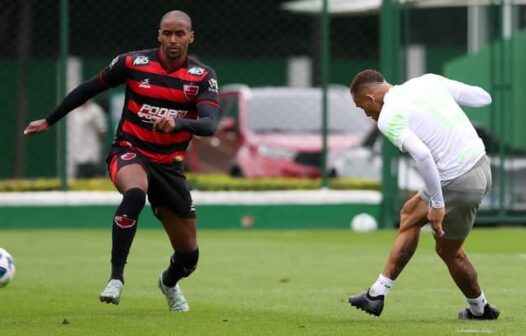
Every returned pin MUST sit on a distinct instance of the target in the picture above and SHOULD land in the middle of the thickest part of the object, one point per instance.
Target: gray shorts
(462, 196)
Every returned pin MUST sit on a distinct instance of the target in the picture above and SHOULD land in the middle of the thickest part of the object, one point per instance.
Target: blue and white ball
(7, 268)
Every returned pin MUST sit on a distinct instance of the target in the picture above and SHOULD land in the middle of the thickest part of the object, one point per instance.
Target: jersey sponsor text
(148, 111)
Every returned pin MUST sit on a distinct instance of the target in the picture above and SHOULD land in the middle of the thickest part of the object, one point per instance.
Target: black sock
(181, 266)
(124, 227)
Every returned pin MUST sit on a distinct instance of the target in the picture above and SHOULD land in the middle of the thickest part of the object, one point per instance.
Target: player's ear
(192, 35)
(159, 36)
(370, 97)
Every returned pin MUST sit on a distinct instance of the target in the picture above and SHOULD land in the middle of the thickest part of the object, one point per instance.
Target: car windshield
(299, 111)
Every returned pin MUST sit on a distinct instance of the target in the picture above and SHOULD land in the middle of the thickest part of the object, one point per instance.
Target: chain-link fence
(257, 44)
(251, 43)
(483, 45)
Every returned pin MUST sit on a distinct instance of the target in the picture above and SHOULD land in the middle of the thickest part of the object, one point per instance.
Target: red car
(276, 131)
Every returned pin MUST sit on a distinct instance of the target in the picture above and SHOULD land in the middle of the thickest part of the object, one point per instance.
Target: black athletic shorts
(167, 185)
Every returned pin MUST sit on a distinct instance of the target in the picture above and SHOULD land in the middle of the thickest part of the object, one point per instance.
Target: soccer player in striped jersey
(423, 118)
(170, 96)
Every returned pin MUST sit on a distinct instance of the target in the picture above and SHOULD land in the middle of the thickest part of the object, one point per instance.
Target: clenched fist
(164, 124)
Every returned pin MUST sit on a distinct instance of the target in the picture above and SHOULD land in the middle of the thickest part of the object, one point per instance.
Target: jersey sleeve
(115, 73)
(464, 94)
(205, 125)
(75, 98)
(207, 108)
(209, 89)
(395, 128)
(426, 167)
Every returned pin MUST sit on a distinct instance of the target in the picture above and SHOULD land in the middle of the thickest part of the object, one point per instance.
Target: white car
(365, 162)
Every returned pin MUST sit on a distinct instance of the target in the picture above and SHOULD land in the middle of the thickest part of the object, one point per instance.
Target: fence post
(62, 88)
(324, 74)
(390, 62)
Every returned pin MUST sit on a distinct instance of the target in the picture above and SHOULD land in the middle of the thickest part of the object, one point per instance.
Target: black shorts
(167, 185)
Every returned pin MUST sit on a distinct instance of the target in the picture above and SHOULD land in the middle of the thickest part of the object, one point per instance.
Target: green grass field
(255, 283)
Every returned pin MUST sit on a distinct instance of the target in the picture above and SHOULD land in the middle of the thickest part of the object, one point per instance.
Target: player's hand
(36, 126)
(436, 217)
(164, 124)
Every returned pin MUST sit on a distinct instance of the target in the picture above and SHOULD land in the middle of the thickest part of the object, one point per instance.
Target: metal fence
(257, 43)
(483, 44)
(49, 46)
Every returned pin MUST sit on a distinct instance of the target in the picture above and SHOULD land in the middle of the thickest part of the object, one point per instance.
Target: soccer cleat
(174, 296)
(112, 292)
(370, 304)
(490, 313)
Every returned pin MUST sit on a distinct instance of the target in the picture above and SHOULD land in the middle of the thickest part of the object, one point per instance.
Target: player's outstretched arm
(113, 75)
(75, 98)
(468, 95)
(37, 126)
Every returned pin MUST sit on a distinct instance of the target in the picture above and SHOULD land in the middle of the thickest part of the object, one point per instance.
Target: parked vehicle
(276, 131)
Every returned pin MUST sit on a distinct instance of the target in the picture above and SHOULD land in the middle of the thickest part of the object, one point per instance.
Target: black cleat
(490, 313)
(370, 304)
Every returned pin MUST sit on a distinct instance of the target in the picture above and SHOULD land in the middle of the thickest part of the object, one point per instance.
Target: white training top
(423, 117)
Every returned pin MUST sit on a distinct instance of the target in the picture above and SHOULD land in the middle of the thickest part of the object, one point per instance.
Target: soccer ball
(364, 223)
(7, 268)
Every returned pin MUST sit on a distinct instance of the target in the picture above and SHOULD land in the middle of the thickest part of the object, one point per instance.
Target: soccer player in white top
(423, 118)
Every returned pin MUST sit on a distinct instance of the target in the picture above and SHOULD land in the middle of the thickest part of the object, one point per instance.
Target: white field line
(59, 198)
(475, 331)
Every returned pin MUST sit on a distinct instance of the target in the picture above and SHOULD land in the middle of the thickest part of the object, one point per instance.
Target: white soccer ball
(364, 223)
(7, 268)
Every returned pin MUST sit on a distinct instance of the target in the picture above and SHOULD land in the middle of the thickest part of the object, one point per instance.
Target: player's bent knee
(135, 196)
(189, 262)
(409, 221)
(449, 255)
(440, 252)
(127, 213)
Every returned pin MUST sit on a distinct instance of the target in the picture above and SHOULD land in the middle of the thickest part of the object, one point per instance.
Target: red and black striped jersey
(153, 91)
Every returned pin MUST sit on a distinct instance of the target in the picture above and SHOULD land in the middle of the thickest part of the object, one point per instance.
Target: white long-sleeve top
(422, 117)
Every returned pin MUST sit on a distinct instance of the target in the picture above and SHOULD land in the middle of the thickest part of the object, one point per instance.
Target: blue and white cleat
(174, 297)
(112, 292)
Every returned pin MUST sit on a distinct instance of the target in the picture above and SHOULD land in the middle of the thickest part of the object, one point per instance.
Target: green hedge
(202, 182)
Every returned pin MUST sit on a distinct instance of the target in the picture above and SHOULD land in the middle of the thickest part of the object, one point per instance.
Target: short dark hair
(179, 15)
(364, 78)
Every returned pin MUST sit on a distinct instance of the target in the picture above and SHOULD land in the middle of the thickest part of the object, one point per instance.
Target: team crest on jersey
(128, 156)
(190, 91)
(197, 71)
(141, 60)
